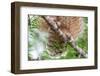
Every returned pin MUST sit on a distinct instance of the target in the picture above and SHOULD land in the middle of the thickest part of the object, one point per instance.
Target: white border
(25, 64)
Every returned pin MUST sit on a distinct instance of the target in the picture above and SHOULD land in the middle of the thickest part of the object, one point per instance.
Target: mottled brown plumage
(71, 25)
(68, 26)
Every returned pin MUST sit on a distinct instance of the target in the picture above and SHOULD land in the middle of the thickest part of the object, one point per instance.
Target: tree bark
(78, 49)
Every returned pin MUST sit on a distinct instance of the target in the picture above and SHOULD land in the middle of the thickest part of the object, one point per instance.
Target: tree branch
(54, 26)
(78, 49)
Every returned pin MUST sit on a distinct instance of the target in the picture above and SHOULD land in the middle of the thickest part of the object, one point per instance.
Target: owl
(70, 26)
